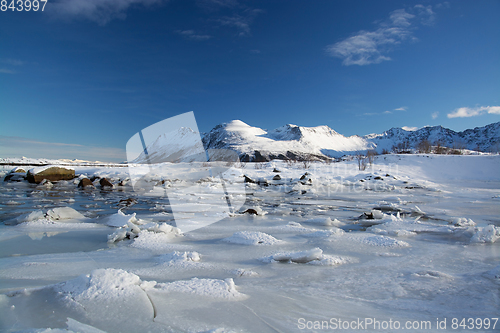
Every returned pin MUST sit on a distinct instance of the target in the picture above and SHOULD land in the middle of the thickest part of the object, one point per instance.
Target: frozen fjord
(410, 238)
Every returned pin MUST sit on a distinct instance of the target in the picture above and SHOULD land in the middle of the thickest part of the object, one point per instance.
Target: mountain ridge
(322, 143)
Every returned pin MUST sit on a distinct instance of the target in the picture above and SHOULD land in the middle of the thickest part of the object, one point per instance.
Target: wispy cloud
(12, 62)
(403, 108)
(241, 21)
(371, 47)
(435, 115)
(13, 146)
(409, 128)
(217, 4)
(100, 11)
(191, 34)
(7, 71)
(9, 63)
(466, 112)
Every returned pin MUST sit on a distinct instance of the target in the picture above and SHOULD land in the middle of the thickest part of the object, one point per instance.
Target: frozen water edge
(433, 276)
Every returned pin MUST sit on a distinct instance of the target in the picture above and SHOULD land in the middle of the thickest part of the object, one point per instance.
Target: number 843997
(23, 5)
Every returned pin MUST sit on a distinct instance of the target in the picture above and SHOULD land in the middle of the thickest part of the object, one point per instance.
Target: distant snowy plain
(411, 239)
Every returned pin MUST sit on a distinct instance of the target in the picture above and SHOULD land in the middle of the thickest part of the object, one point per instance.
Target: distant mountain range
(322, 142)
(253, 144)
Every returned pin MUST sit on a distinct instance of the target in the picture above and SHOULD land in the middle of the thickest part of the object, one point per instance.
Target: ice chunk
(325, 233)
(33, 216)
(120, 219)
(384, 241)
(204, 287)
(314, 256)
(300, 257)
(240, 272)
(76, 326)
(326, 221)
(63, 213)
(157, 242)
(177, 256)
(494, 274)
(463, 222)
(251, 238)
(489, 234)
(54, 214)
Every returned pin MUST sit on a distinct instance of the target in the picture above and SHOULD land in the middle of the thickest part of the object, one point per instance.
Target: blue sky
(80, 78)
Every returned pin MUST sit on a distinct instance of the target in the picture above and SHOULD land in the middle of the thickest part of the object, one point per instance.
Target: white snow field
(412, 240)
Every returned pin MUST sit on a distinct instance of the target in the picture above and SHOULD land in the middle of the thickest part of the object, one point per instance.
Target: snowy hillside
(181, 145)
(322, 142)
(286, 142)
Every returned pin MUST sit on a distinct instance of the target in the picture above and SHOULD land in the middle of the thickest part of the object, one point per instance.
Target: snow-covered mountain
(322, 142)
(485, 138)
(181, 145)
(286, 142)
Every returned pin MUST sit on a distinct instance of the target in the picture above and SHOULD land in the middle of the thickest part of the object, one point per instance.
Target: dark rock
(304, 176)
(94, 178)
(105, 183)
(276, 170)
(378, 178)
(303, 192)
(16, 176)
(52, 174)
(277, 177)
(249, 180)
(85, 182)
(258, 157)
(127, 202)
(263, 182)
(250, 211)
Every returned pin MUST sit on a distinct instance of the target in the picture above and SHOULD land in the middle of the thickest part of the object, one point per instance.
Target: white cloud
(12, 146)
(100, 11)
(241, 22)
(435, 115)
(409, 129)
(403, 108)
(370, 47)
(191, 34)
(466, 112)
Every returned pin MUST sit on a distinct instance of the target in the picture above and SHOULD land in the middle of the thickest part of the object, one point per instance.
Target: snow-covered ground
(411, 239)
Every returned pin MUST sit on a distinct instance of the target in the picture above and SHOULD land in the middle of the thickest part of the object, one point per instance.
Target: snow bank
(252, 238)
(489, 234)
(314, 256)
